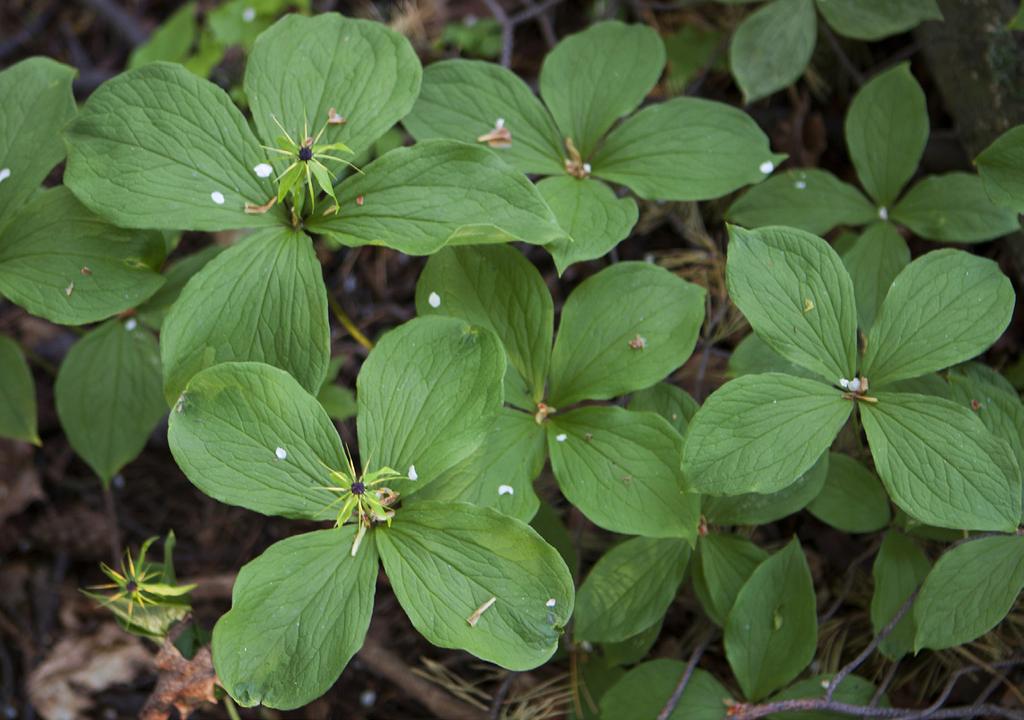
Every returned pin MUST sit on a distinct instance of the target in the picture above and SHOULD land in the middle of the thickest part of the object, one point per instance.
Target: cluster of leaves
(459, 410)
(773, 45)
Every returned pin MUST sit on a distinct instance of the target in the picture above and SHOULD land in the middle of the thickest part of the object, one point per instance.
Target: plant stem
(344, 319)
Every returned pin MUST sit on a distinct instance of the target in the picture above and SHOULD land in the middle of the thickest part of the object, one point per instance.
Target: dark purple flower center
(358, 488)
(132, 586)
(305, 154)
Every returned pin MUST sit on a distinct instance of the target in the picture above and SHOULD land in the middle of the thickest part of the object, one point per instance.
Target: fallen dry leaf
(182, 684)
(78, 667)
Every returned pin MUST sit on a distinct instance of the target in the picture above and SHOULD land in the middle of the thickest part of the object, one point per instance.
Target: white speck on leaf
(506, 490)
(551, 602)
(70, 288)
(800, 185)
(434, 299)
(883, 213)
(130, 324)
(855, 385)
(766, 167)
(249, 14)
(587, 168)
(217, 196)
(844, 383)
(263, 170)
(412, 473)
(499, 123)
(280, 453)
(561, 437)
(4, 174)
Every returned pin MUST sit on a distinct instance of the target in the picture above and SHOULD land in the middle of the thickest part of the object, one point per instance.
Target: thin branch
(346, 321)
(501, 695)
(872, 646)
(844, 59)
(507, 30)
(677, 694)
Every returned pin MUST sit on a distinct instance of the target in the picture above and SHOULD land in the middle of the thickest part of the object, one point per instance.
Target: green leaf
(108, 395)
(796, 294)
(853, 499)
(969, 591)
(446, 561)
(17, 394)
(35, 103)
(1001, 166)
(721, 565)
(691, 49)
(760, 433)
(945, 307)
(772, 629)
(941, 465)
(899, 568)
(623, 329)
(634, 648)
(762, 508)
(874, 261)
(158, 147)
(249, 435)
(594, 77)
(464, 99)
(954, 208)
(994, 400)
(418, 199)
(876, 19)
(809, 199)
(643, 691)
(242, 305)
(172, 41)
(630, 588)
(671, 402)
(886, 131)
(338, 401)
(621, 469)
(497, 288)
(548, 523)
(686, 149)
(500, 473)
(772, 46)
(428, 394)
(155, 309)
(753, 356)
(299, 612)
(595, 219)
(853, 690)
(62, 263)
(301, 67)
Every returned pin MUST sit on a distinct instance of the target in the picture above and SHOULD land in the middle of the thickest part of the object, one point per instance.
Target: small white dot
(367, 698)
(130, 324)
(800, 185)
(499, 124)
(883, 213)
(434, 299)
(844, 383)
(249, 14)
(586, 168)
(506, 490)
(412, 473)
(281, 453)
(766, 167)
(561, 437)
(855, 385)
(551, 602)
(263, 169)
(217, 196)
(4, 174)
